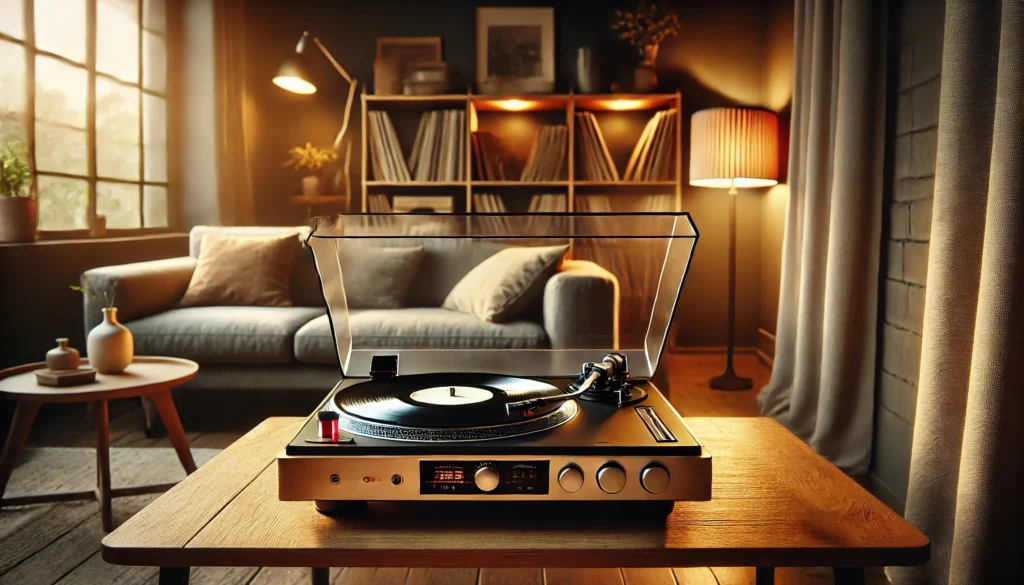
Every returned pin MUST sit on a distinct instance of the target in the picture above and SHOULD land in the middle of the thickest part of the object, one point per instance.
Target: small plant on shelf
(15, 172)
(312, 160)
(18, 206)
(646, 28)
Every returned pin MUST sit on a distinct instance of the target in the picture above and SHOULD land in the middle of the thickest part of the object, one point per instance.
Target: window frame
(92, 177)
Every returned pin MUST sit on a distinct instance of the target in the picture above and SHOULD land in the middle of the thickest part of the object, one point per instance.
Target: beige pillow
(500, 287)
(243, 270)
(375, 277)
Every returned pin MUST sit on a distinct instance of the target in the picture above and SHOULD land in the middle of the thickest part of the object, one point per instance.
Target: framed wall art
(515, 50)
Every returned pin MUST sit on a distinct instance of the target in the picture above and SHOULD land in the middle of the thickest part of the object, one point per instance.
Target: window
(83, 85)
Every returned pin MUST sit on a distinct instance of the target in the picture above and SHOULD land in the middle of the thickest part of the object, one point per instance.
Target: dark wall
(723, 56)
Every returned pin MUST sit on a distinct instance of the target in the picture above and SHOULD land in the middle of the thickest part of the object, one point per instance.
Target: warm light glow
(295, 85)
(623, 105)
(514, 105)
(734, 148)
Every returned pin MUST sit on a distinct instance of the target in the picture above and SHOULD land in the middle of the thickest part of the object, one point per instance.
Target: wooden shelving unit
(513, 118)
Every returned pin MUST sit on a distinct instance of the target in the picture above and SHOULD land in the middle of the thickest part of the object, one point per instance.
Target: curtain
(235, 116)
(822, 383)
(965, 472)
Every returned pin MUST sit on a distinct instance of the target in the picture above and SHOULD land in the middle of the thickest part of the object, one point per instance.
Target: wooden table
(775, 503)
(152, 377)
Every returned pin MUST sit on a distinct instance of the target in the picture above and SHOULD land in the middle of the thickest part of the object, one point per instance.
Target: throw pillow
(375, 277)
(243, 270)
(500, 287)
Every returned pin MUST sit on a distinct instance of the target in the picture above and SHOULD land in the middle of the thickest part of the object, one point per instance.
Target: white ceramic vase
(110, 345)
(311, 185)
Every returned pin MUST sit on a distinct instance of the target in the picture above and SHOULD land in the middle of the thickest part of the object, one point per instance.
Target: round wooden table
(152, 377)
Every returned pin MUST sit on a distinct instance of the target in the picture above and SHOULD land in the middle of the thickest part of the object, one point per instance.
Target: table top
(774, 503)
(145, 375)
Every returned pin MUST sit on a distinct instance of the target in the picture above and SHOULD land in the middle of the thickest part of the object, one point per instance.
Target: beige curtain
(823, 377)
(822, 384)
(965, 472)
(235, 116)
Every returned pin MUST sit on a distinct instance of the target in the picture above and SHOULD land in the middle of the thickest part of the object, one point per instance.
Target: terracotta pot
(63, 357)
(18, 217)
(311, 185)
(110, 345)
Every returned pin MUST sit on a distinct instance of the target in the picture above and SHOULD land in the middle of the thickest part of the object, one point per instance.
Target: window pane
(120, 203)
(117, 38)
(154, 15)
(117, 130)
(154, 208)
(63, 203)
(13, 96)
(60, 117)
(60, 28)
(154, 62)
(12, 18)
(154, 136)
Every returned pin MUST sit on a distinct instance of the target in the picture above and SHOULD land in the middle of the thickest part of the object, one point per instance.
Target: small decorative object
(588, 79)
(422, 204)
(645, 29)
(386, 79)
(18, 204)
(110, 345)
(98, 229)
(428, 78)
(406, 52)
(310, 158)
(63, 357)
(62, 378)
(515, 50)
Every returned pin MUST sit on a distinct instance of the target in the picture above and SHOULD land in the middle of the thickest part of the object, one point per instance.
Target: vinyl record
(442, 401)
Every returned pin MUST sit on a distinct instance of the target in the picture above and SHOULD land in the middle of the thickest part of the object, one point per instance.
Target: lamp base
(730, 381)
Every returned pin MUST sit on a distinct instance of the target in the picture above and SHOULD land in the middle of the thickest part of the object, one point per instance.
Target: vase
(587, 78)
(63, 357)
(18, 216)
(311, 185)
(110, 345)
(644, 78)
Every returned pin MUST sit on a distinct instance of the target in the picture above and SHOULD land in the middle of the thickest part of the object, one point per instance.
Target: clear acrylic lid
(517, 294)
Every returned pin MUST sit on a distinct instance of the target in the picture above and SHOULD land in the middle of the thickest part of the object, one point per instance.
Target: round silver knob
(486, 478)
(655, 478)
(570, 478)
(611, 478)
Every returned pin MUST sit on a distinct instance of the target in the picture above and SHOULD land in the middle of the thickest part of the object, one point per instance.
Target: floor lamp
(296, 75)
(733, 148)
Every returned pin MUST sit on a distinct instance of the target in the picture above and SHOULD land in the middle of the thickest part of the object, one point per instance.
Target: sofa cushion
(420, 327)
(243, 271)
(376, 277)
(223, 335)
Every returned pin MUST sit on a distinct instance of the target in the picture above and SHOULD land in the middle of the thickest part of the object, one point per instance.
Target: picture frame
(515, 49)
(405, 51)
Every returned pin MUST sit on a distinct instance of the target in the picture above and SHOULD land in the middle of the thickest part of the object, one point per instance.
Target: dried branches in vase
(312, 159)
(646, 28)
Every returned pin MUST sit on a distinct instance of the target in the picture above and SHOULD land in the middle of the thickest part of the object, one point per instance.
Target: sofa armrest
(581, 307)
(139, 289)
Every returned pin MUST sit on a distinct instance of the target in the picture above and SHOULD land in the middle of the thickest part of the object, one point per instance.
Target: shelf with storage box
(614, 152)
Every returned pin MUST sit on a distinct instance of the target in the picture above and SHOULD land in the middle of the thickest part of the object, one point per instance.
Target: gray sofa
(291, 348)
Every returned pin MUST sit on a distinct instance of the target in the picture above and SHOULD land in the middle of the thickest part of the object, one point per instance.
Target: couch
(292, 348)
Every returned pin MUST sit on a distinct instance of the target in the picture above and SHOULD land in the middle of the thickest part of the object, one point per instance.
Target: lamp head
(295, 74)
(733, 147)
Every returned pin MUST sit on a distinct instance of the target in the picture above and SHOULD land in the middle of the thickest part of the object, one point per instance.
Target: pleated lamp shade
(734, 147)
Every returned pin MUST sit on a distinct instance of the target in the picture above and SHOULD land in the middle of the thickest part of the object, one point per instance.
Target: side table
(152, 377)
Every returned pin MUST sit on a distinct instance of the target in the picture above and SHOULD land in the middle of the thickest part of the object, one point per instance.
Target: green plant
(310, 157)
(108, 301)
(648, 26)
(15, 172)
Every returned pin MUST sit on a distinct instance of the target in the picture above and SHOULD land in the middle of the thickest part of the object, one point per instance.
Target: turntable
(581, 422)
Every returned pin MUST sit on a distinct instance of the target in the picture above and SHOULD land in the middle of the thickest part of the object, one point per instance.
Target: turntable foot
(652, 508)
(340, 507)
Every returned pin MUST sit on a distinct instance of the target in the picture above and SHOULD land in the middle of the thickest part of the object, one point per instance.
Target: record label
(451, 395)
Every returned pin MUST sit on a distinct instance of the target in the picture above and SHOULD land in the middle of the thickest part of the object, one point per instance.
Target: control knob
(486, 478)
(655, 478)
(611, 478)
(570, 478)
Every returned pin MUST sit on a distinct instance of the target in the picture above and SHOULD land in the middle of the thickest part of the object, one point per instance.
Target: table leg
(24, 414)
(764, 576)
(165, 405)
(174, 575)
(320, 575)
(103, 464)
(848, 575)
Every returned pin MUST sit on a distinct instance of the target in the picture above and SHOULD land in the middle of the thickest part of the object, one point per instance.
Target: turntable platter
(447, 407)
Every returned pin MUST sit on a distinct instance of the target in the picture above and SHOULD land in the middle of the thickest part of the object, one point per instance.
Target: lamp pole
(729, 380)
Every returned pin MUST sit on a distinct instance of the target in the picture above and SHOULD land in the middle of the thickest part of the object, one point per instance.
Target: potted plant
(645, 29)
(18, 205)
(311, 159)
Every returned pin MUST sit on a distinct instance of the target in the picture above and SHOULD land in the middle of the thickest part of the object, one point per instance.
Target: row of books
(546, 203)
(437, 150)
(652, 156)
(385, 151)
(596, 162)
(493, 161)
(546, 161)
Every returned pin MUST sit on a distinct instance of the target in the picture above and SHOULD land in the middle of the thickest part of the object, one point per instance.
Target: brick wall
(909, 203)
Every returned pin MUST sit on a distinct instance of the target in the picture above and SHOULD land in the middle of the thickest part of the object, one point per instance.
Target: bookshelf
(514, 121)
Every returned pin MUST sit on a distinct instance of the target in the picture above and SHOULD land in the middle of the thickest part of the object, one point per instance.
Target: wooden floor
(60, 543)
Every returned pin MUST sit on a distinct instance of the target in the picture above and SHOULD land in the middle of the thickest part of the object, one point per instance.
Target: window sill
(95, 241)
